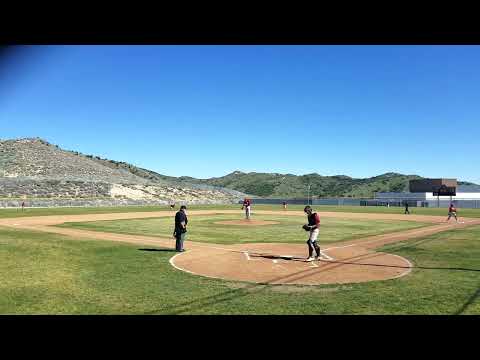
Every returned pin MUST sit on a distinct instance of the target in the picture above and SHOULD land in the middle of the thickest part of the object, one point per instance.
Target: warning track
(346, 262)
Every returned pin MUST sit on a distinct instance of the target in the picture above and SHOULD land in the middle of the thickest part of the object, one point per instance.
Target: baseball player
(247, 206)
(452, 211)
(313, 228)
(284, 205)
(23, 206)
(180, 231)
(406, 208)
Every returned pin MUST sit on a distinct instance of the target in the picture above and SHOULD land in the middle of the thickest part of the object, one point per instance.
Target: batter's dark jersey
(314, 220)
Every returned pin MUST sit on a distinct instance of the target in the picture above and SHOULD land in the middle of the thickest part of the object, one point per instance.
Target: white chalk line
(409, 270)
(392, 235)
(179, 268)
(325, 256)
(171, 261)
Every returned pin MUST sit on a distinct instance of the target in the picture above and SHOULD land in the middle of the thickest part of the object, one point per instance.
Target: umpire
(180, 231)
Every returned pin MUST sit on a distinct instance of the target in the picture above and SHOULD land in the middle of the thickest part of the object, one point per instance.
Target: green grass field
(44, 273)
(204, 229)
(51, 274)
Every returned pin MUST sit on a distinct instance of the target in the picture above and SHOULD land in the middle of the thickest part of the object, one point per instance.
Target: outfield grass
(462, 212)
(44, 273)
(16, 212)
(203, 228)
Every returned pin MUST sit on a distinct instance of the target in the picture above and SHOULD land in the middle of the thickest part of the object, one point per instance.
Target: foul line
(322, 254)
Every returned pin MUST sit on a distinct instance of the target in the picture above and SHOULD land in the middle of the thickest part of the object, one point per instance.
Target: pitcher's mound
(246, 222)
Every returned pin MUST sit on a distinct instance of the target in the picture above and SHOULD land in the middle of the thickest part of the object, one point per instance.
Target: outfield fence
(468, 204)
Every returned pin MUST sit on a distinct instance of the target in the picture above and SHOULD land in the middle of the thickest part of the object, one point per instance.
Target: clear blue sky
(205, 111)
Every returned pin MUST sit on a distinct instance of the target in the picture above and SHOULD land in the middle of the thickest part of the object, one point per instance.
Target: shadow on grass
(248, 289)
(470, 301)
(162, 250)
(254, 288)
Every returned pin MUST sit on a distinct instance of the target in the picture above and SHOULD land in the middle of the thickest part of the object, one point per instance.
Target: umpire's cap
(183, 207)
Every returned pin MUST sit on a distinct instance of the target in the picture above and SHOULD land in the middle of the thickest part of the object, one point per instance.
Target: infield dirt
(273, 263)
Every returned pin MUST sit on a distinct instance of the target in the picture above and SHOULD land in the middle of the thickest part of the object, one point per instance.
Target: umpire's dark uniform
(180, 231)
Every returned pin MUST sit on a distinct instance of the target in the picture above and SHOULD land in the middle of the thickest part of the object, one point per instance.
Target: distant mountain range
(40, 162)
(288, 185)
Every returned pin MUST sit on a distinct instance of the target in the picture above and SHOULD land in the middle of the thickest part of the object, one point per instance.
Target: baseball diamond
(351, 261)
(293, 179)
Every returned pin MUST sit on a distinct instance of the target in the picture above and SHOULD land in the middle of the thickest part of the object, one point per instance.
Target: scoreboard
(445, 191)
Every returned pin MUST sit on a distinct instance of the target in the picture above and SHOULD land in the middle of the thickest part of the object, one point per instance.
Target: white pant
(314, 235)
(247, 211)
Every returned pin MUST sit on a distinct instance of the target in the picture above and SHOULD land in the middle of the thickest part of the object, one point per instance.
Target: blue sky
(205, 111)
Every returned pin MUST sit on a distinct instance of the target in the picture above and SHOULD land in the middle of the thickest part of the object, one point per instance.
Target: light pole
(308, 198)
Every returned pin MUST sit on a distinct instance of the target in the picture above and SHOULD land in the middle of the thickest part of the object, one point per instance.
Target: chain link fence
(468, 204)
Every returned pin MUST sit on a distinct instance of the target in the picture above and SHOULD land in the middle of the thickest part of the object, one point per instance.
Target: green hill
(37, 159)
(282, 185)
(288, 185)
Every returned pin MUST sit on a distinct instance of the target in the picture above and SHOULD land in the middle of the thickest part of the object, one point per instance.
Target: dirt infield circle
(286, 264)
(346, 262)
(246, 222)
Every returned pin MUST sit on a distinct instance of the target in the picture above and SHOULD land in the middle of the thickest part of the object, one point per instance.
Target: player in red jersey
(247, 206)
(452, 211)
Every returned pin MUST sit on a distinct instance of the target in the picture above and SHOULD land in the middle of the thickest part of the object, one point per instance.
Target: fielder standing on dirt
(313, 227)
(246, 205)
(452, 211)
(180, 231)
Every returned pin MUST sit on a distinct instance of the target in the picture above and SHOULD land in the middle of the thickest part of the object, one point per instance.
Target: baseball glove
(306, 227)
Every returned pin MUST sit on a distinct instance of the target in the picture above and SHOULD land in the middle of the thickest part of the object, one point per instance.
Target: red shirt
(246, 202)
(314, 220)
(452, 209)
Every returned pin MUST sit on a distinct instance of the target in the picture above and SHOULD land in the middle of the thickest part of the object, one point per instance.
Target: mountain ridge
(76, 166)
(37, 169)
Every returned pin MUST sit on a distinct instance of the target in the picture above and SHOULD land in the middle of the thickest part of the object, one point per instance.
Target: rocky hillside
(36, 169)
(37, 159)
